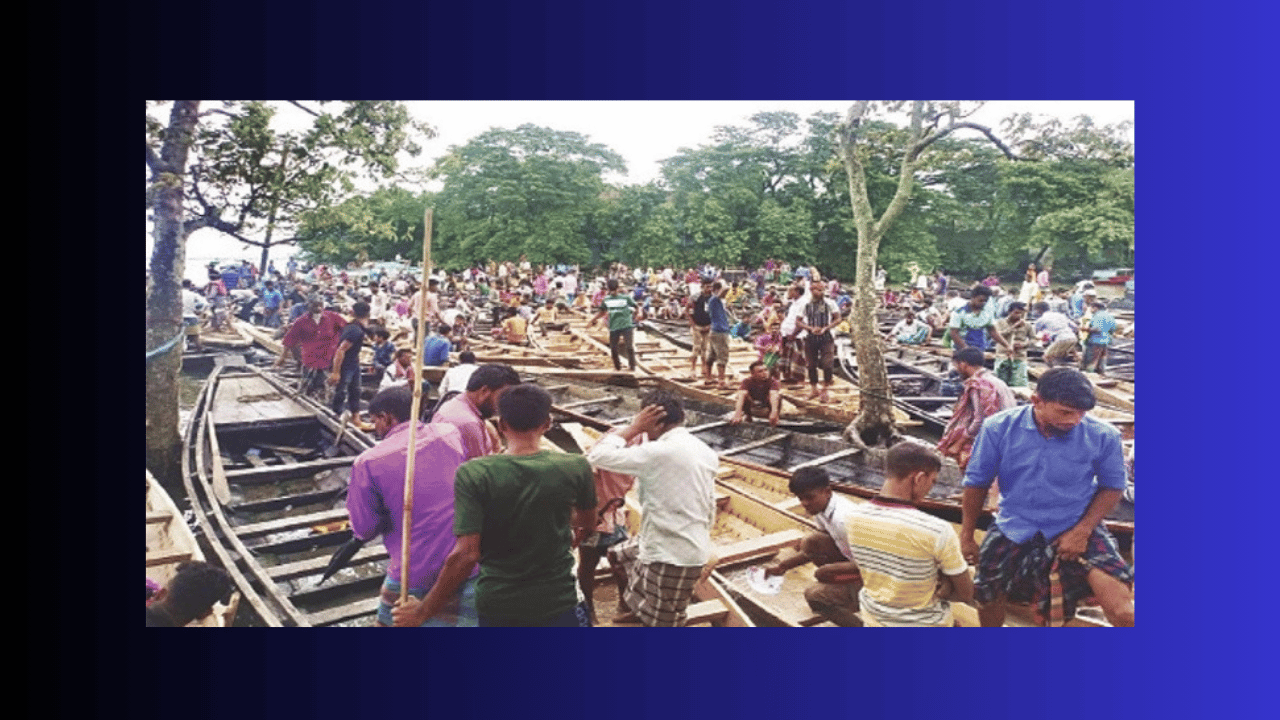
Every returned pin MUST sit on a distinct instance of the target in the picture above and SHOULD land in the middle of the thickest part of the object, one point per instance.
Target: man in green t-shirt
(516, 514)
(622, 327)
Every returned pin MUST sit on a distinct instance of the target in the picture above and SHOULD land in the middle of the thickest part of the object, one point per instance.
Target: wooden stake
(407, 522)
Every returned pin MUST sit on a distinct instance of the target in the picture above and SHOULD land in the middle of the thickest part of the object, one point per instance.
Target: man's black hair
(466, 357)
(1067, 386)
(908, 457)
(380, 332)
(969, 356)
(612, 284)
(360, 309)
(671, 403)
(808, 478)
(979, 291)
(524, 407)
(493, 376)
(1042, 307)
(195, 587)
(396, 400)
(1017, 305)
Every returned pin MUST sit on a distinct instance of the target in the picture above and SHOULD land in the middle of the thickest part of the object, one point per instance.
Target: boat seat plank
(158, 517)
(707, 611)
(283, 472)
(228, 406)
(315, 566)
(167, 556)
(823, 460)
(291, 523)
(350, 611)
(755, 547)
(753, 445)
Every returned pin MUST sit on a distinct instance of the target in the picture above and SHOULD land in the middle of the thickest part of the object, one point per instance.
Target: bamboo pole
(406, 523)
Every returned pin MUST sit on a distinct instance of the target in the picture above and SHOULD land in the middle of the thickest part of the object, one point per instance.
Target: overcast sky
(642, 132)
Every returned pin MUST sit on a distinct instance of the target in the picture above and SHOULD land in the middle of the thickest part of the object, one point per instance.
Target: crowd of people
(497, 517)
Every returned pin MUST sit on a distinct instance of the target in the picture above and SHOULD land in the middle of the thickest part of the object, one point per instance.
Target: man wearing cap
(1061, 473)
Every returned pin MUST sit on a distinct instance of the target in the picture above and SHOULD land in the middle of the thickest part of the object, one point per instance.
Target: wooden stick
(407, 522)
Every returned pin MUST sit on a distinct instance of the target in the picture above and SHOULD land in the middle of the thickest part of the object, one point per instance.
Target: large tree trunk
(874, 424)
(164, 299)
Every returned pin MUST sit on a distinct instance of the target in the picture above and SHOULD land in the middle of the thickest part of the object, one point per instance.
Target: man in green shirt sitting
(516, 514)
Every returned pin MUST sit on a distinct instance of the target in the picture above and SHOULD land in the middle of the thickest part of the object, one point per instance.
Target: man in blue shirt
(1100, 327)
(971, 323)
(1061, 473)
(435, 350)
(718, 341)
(271, 302)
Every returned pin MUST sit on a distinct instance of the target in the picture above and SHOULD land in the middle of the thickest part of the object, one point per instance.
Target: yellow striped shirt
(899, 551)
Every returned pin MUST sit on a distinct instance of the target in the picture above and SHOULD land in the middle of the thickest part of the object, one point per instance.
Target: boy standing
(910, 561)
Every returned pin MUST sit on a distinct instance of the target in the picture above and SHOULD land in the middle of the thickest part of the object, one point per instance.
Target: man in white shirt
(456, 377)
(675, 478)
(835, 595)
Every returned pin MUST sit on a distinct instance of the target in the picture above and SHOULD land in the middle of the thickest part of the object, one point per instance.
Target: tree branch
(303, 108)
(154, 162)
(924, 143)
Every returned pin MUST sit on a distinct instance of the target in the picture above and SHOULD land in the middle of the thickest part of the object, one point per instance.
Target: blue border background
(1202, 76)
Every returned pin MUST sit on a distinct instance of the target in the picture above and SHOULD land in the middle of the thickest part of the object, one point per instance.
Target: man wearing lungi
(1060, 474)
(675, 476)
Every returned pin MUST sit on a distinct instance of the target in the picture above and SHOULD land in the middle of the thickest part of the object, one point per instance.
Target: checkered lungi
(657, 593)
(1021, 572)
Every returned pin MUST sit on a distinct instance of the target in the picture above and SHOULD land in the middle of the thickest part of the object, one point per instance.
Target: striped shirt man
(900, 551)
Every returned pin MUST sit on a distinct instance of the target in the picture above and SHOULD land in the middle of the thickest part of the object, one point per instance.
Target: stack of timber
(267, 482)
(170, 543)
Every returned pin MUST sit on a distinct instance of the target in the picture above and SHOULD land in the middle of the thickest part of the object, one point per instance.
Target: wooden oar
(415, 413)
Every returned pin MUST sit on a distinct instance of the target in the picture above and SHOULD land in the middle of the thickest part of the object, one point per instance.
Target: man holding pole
(376, 501)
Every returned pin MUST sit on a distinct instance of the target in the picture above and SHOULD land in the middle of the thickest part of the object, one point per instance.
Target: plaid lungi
(1022, 572)
(657, 593)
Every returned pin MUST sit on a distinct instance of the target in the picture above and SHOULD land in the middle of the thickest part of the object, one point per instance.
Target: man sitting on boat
(759, 396)
(835, 595)
(910, 331)
(375, 503)
(1061, 472)
(911, 561)
(190, 595)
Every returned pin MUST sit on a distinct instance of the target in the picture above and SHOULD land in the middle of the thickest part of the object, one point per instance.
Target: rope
(167, 346)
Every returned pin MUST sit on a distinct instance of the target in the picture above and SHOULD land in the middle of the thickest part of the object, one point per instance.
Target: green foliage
(377, 226)
(530, 191)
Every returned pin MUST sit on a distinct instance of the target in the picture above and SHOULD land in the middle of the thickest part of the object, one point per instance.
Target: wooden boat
(170, 543)
(270, 503)
(781, 450)
(659, 357)
(756, 464)
(916, 375)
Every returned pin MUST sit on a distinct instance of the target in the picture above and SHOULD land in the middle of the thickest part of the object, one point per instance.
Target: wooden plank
(158, 517)
(753, 445)
(315, 566)
(825, 459)
(167, 556)
(350, 611)
(284, 472)
(757, 547)
(221, 490)
(291, 523)
(585, 403)
(707, 611)
(713, 588)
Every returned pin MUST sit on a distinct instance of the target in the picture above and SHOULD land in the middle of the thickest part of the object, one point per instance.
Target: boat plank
(293, 522)
(350, 611)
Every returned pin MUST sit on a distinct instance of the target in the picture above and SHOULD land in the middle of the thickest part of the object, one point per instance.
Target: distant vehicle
(1112, 276)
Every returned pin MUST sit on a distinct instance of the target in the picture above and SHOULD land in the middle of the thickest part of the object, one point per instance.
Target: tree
(380, 225)
(225, 168)
(529, 191)
(929, 123)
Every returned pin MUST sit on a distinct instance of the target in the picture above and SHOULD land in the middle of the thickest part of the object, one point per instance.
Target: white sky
(643, 132)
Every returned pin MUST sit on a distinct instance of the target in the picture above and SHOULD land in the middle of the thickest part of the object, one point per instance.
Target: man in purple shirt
(470, 410)
(375, 502)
